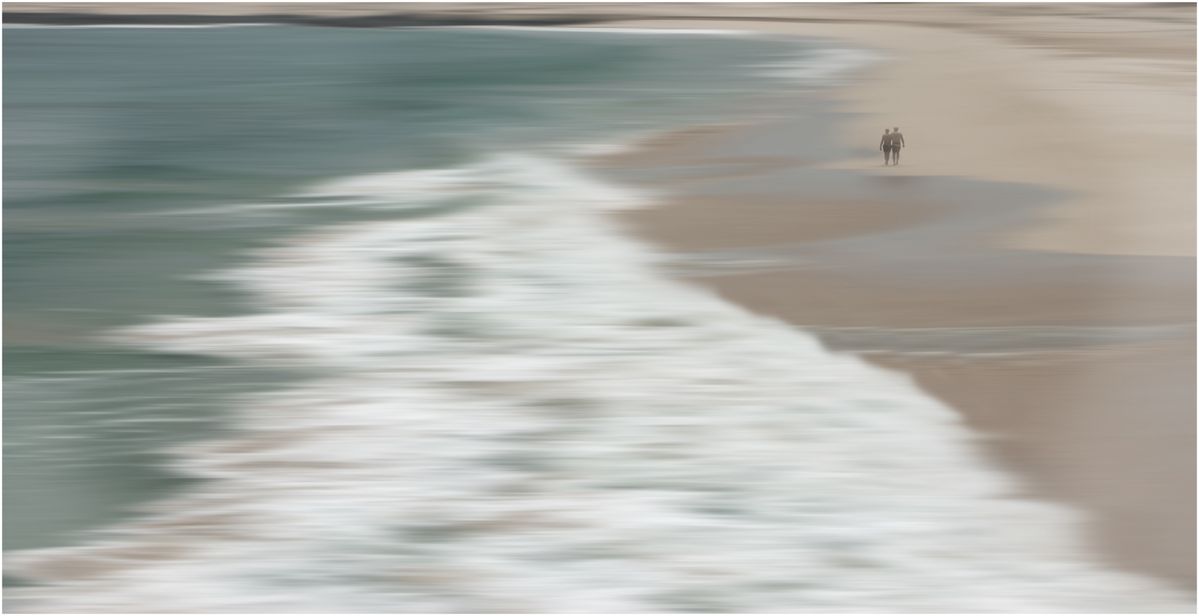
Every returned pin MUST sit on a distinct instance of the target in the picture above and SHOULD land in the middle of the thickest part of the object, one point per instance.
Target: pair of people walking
(890, 145)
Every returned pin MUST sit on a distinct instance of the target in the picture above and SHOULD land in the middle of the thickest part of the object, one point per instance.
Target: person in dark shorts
(885, 146)
(896, 144)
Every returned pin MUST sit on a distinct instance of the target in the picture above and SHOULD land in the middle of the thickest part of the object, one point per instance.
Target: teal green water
(123, 145)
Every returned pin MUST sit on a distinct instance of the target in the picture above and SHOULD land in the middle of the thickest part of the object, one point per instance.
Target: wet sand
(1109, 429)
(1068, 341)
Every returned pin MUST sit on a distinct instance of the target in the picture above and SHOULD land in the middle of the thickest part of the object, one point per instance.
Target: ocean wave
(828, 65)
(513, 410)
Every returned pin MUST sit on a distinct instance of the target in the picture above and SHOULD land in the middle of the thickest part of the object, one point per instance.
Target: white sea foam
(516, 413)
(822, 66)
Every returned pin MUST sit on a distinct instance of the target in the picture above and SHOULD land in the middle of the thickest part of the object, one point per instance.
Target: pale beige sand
(1114, 123)
(1108, 430)
(1098, 101)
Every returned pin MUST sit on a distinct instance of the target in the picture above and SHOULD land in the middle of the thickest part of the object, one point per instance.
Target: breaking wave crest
(512, 410)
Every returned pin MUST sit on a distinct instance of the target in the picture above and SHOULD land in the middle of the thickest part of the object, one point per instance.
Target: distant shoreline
(371, 21)
(372, 15)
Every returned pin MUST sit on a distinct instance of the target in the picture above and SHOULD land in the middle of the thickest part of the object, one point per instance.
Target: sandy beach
(1031, 263)
(1050, 300)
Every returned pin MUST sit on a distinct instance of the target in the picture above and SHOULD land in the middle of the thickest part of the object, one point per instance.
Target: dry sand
(1034, 98)
(1065, 329)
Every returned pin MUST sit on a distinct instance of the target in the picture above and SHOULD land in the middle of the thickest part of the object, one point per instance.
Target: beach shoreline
(981, 61)
(1041, 284)
(1064, 414)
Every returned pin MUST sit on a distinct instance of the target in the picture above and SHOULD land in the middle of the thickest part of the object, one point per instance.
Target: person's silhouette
(896, 144)
(885, 146)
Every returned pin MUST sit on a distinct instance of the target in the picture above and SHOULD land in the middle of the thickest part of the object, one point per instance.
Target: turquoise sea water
(130, 150)
(333, 321)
